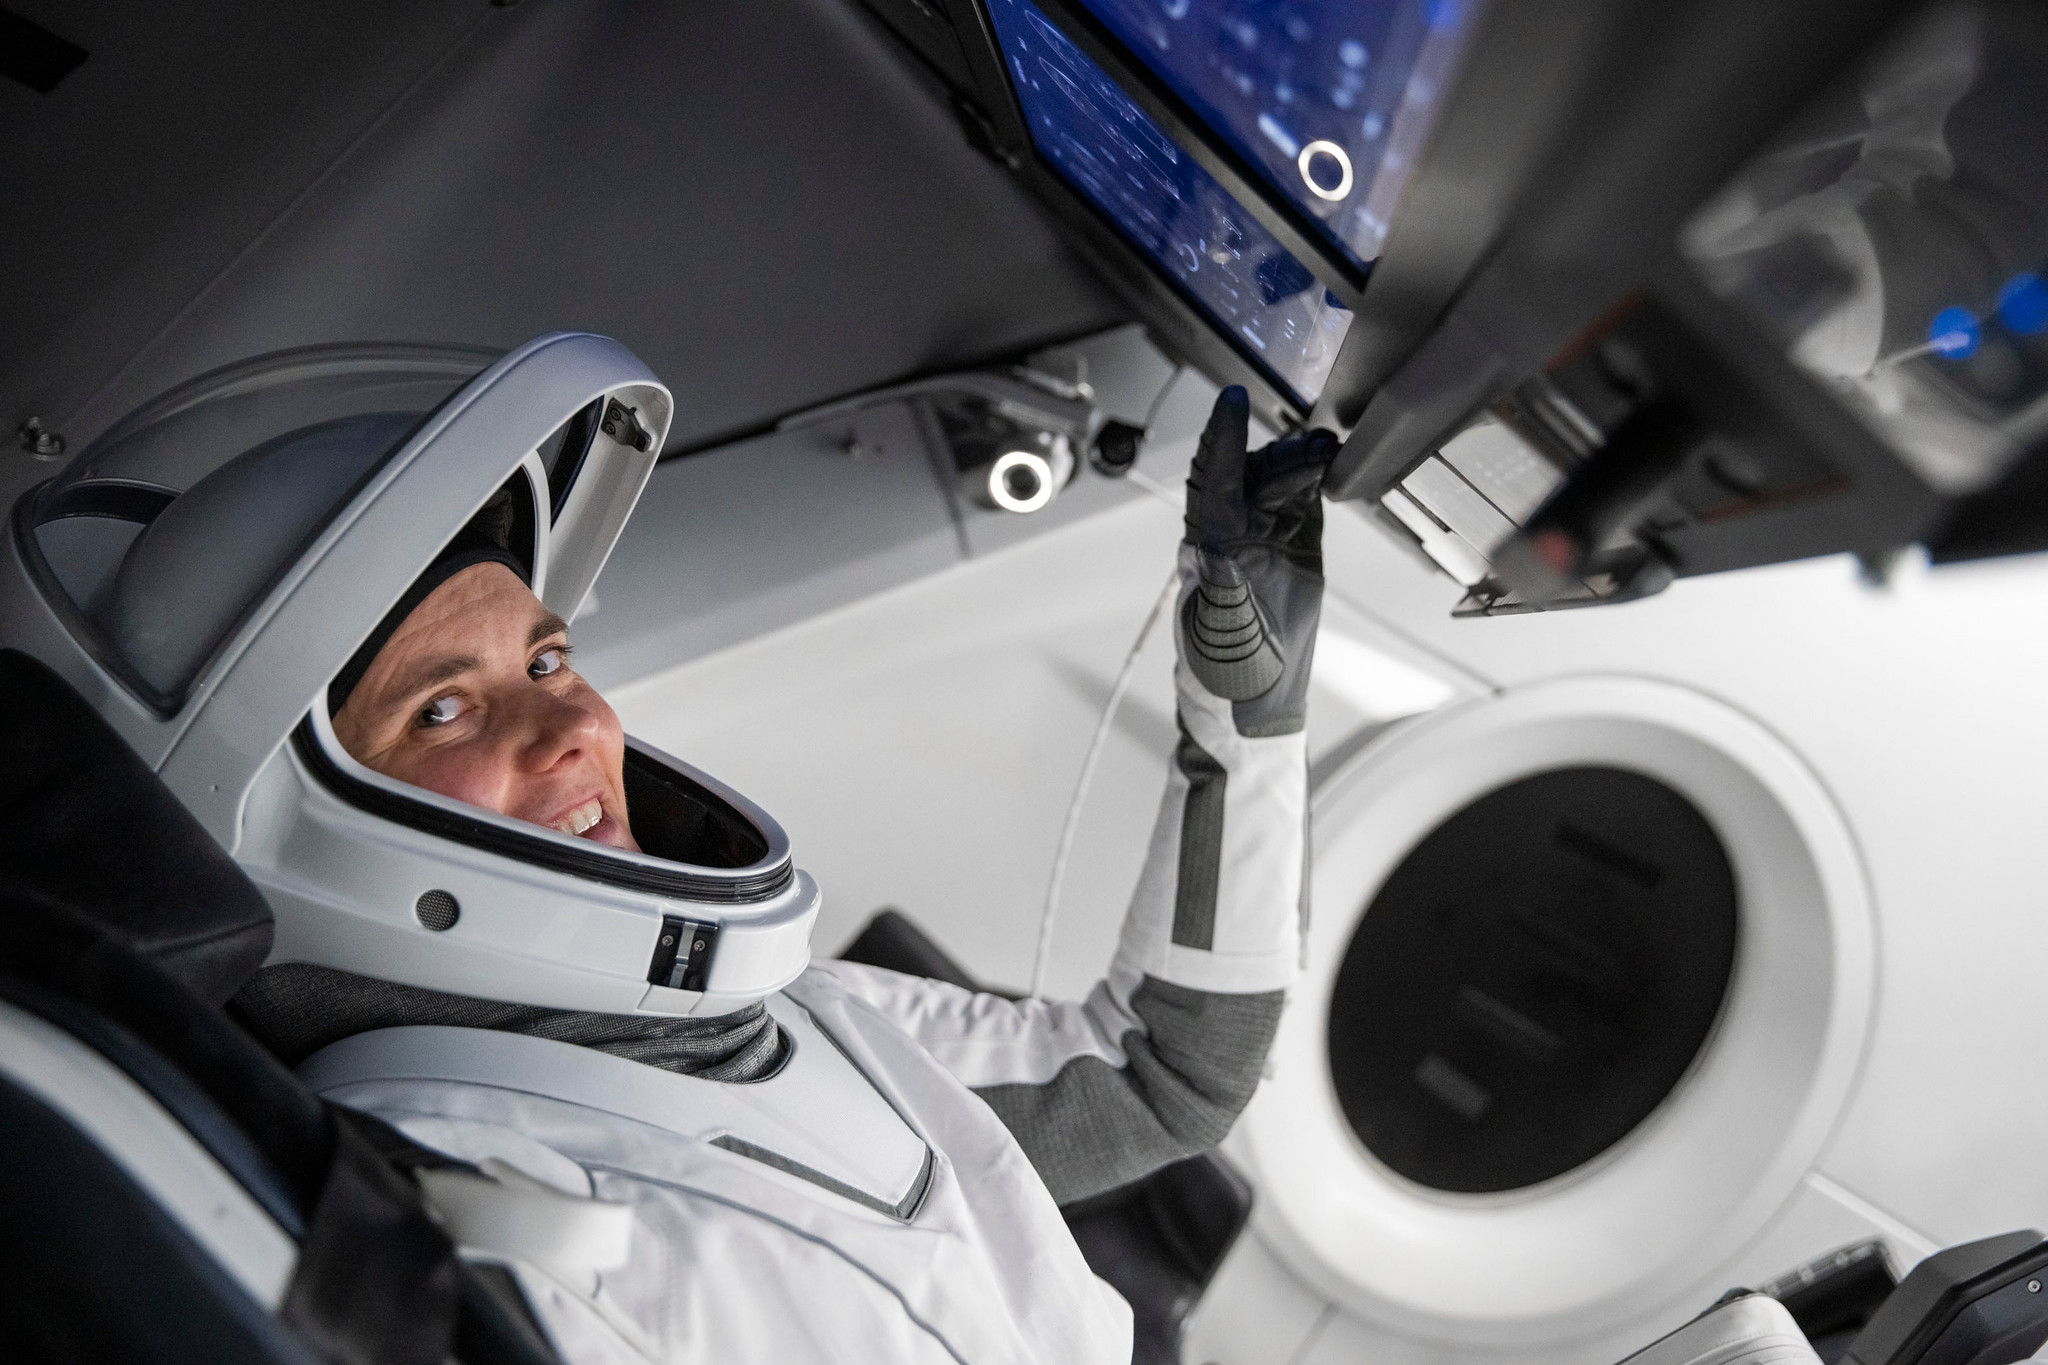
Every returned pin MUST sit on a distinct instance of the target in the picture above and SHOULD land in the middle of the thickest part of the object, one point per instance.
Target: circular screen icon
(1306, 163)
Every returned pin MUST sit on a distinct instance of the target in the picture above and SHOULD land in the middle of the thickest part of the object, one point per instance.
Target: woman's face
(473, 697)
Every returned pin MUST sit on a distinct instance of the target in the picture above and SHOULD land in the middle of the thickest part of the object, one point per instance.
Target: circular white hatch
(1606, 1008)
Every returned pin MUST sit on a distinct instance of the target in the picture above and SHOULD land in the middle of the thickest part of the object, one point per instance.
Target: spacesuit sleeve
(1157, 1063)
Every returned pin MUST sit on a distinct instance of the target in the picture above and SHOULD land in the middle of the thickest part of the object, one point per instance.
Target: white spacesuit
(627, 1081)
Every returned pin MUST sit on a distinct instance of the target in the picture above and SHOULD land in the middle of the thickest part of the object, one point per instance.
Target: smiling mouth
(581, 820)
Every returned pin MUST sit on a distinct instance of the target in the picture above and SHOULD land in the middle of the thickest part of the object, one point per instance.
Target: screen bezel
(1443, 232)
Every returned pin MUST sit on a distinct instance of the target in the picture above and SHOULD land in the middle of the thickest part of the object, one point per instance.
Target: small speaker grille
(437, 910)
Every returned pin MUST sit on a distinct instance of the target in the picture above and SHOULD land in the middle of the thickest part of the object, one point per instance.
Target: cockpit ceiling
(1502, 249)
(764, 202)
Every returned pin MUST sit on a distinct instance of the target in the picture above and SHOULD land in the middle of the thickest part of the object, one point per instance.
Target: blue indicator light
(1953, 333)
(2023, 305)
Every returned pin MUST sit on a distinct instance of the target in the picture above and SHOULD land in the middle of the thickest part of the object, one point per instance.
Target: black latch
(682, 955)
(33, 55)
(622, 424)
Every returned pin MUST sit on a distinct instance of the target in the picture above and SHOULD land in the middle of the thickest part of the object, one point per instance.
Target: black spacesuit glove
(1255, 533)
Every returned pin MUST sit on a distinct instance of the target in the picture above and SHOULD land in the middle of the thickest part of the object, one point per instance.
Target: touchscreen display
(1329, 99)
(1203, 241)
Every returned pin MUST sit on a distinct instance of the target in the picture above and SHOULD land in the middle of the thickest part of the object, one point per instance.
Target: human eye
(549, 662)
(440, 711)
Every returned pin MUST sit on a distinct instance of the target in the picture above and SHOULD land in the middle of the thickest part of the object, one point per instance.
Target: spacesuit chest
(819, 1121)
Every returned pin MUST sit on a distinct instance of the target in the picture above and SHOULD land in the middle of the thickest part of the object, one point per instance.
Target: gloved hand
(1252, 567)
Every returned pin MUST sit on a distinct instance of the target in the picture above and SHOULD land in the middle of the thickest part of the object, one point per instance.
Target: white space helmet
(203, 572)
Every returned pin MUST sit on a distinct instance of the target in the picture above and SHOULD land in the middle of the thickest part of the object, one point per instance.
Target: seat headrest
(89, 826)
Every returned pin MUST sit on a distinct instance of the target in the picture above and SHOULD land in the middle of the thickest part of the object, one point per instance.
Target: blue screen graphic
(1200, 238)
(1329, 99)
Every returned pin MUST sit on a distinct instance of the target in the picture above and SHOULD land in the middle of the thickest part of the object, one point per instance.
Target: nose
(557, 730)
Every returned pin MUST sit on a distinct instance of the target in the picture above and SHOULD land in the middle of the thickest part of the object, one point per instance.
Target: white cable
(1169, 496)
(1043, 957)
(1072, 825)
(1156, 489)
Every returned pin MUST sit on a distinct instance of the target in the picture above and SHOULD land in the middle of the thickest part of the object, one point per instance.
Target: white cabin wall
(1919, 705)
(921, 746)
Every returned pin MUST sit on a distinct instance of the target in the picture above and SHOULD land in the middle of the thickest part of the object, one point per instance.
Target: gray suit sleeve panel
(1218, 903)
(1166, 1051)
(1189, 1072)
(1097, 1093)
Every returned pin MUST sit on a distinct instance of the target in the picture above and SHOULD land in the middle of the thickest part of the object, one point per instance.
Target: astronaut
(326, 594)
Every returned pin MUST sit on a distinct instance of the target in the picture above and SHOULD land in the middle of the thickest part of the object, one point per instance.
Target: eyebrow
(433, 673)
(437, 671)
(549, 624)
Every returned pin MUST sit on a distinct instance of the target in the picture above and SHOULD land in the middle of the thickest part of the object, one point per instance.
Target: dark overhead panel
(1717, 285)
(764, 201)
(1771, 290)
(33, 55)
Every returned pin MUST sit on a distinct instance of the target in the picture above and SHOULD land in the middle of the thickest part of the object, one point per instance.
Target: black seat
(1980, 1303)
(1158, 1240)
(122, 927)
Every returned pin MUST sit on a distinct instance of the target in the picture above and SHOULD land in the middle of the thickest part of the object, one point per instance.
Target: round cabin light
(1020, 481)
